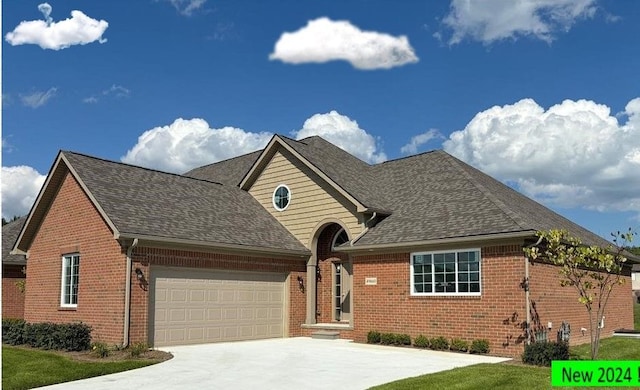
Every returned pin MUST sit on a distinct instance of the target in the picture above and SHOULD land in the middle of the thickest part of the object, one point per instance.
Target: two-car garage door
(192, 306)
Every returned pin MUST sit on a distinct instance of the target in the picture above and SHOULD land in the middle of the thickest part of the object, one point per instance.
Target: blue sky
(541, 94)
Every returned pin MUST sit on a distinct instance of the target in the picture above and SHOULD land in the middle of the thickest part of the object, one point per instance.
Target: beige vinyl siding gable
(312, 199)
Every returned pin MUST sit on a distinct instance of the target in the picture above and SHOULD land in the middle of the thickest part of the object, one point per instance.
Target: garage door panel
(203, 306)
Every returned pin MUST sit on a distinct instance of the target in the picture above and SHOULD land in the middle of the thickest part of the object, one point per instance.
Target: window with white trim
(281, 197)
(69, 284)
(446, 273)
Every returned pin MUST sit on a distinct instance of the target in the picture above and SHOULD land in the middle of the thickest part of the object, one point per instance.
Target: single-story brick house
(13, 272)
(296, 238)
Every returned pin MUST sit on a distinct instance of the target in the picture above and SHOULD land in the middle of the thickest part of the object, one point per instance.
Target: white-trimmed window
(446, 272)
(69, 284)
(281, 197)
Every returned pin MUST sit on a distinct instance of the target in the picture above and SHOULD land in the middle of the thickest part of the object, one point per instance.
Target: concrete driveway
(290, 363)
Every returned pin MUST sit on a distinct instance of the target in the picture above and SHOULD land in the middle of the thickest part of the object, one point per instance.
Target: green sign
(595, 373)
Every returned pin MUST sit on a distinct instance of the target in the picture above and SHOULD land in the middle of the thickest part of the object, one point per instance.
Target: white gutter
(127, 294)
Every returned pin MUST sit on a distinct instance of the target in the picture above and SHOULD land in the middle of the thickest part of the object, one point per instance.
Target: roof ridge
(137, 166)
(226, 159)
(408, 157)
(500, 204)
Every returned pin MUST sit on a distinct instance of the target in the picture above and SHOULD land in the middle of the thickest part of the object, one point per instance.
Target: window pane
(418, 259)
(451, 288)
(418, 279)
(450, 267)
(462, 267)
(439, 278)
(474, 266)
(475, 287)
(418, 288)
(463, 277)
(439, 267)
(450, 257)
(417, 269)
(474, 277)
(451, 278)
(463, 256)
(438, 258)
(463, 287)
(427, 277)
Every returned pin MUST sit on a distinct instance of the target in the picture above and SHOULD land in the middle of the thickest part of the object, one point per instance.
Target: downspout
(526, 292)
(366, 229)
(127, 294)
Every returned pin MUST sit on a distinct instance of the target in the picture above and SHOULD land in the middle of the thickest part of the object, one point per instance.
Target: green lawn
(26, 369)
(509, 376)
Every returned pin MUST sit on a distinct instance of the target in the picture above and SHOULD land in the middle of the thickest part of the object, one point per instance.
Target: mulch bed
(114, 356)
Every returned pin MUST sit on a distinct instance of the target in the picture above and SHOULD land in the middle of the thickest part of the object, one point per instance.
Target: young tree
(592, 270)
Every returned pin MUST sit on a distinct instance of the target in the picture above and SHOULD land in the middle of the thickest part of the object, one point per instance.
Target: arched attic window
(340, 238)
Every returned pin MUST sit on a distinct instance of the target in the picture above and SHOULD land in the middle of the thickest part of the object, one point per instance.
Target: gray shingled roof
(430, 196)
(148, 202)
(229, 172)
(10, 233)
(436, 196)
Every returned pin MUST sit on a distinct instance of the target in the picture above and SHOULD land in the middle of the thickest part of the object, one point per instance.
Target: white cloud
(189, 143)
(323, 40)
(187, 7)
(575, 154)
(487, 21)
(78, 30)
(345, 133)
(419, 140)
(20, 187)
(115, 90)
(38, 98)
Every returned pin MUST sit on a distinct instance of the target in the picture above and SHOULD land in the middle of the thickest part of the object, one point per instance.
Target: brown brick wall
(74, 225)
(552, 303)
(12, 296)
(146, 258)
(496, 315)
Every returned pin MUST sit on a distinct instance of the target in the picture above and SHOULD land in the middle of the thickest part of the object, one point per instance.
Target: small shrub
(403, 339)
(373, 337)
(459, 345)
(388, 338)
(439, 343)
(421, 342)
(479, 346)
(138, 349)
(68, 337)
(100, 350)
(542, 353)
(13, 331)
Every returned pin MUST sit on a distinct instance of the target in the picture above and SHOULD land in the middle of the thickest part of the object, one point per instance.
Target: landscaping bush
(403, 339)
(13, 331)
(542, 353)
(388, 338)
(421, 342)
(138, 349)
(101, 350)
(68, 337)
(479, 346)
(459, 345)
(439, 343)
(373, 337)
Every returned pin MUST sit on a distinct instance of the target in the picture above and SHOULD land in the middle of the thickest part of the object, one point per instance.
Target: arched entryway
(330, 299)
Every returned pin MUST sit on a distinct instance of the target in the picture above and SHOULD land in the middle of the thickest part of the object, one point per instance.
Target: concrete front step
(326, 335)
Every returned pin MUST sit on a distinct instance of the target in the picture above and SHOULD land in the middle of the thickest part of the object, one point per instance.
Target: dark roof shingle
(148, 202)
(10, 233)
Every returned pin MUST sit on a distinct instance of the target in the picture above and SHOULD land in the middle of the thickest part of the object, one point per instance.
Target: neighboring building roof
(140, 202)
(10, 233)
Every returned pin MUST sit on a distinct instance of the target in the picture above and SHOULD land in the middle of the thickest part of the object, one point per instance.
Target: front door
(342, 291)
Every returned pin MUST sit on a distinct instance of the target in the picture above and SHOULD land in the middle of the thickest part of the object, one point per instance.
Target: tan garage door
(202, 306)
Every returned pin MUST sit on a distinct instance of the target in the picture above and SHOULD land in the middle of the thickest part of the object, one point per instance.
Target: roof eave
(468, 240)
(144, 239)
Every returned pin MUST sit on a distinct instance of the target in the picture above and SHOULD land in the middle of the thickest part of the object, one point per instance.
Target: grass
(511, 376)
(26, 368)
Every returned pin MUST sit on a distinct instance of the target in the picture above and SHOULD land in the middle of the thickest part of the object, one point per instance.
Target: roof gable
(307, 157)
(10, 233)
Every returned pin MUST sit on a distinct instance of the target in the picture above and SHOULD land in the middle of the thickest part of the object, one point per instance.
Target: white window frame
(65, 259)
(273, 197)
(335, 238)
(457, 294)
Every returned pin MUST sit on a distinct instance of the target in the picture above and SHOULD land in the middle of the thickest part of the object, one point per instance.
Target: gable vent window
(446, 273)
(281, 197)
